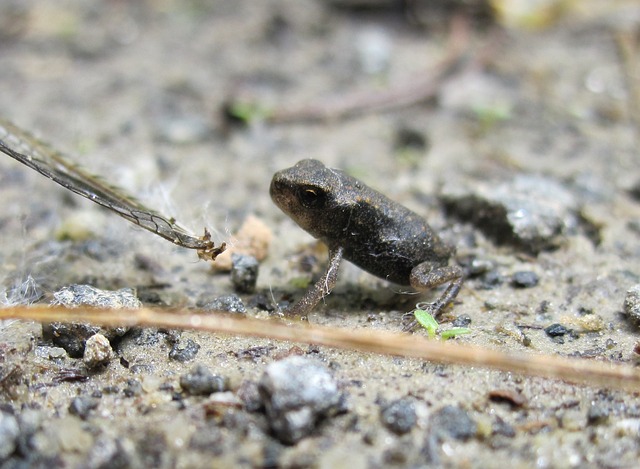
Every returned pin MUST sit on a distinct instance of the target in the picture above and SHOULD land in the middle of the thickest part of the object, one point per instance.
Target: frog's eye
(312, 197)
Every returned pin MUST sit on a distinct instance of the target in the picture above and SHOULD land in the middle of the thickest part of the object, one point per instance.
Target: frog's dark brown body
(365, 227)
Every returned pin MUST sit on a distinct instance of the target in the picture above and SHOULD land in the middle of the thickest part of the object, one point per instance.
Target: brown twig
(584, 371)
(418, 89)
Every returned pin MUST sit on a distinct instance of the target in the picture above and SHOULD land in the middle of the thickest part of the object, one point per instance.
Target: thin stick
(605, 374)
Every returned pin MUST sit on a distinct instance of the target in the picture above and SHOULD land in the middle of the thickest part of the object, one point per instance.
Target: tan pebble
(97, 351)
(253, 238)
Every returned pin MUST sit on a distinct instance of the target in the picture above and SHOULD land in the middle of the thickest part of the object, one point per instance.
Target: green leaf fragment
(454, 332)
(248, 111)
(427, 321)
(300, 282)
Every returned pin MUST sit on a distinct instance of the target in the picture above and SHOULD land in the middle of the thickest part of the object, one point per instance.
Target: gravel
(184, 350)
(297, 394)
(9, 431)
(202, 382)
(399, 416)
(632, 303)
(244, 272)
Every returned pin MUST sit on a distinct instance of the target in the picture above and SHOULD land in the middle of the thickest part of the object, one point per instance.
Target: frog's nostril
(275, 189)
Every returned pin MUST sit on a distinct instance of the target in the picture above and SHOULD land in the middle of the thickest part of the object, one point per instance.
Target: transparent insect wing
(39, 156)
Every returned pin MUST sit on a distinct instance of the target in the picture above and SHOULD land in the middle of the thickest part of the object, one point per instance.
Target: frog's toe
(430, 308)
(409, 322)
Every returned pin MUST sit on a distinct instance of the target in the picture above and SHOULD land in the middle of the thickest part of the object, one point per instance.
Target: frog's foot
(409, 321)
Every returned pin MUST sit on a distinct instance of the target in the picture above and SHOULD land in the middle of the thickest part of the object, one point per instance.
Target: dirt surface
(526, 159)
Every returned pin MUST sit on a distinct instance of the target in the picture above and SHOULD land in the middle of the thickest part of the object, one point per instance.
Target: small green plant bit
(428, 322)
(454, 332)
(247, 112)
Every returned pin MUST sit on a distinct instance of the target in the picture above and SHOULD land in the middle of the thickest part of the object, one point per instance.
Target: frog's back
(387, 239)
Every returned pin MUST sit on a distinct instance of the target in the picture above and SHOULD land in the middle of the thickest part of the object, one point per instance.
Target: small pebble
(82, 406)
(244, 272)
(297, 393)
(97, 351)
(490, 280)
(262, 302)
(9, 431)
(111, 453)
(503, 428)
(230, 303)
(399, 416)
(524, 279)
(453, 422)
(632, 303)
(134, 388)
(398, 454)
(556, 330)
(52, 353)
(272, 453)
(184, 350)
(480, 267)
(86, 295)
(208, 438)
(634, 192)
(30, 421)
(201, 382)
(597, 415)
(249, 394)
(72, 435)
(410, 138)
(461, 321)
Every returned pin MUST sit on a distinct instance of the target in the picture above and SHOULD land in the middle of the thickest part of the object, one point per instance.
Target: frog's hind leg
(425, 277)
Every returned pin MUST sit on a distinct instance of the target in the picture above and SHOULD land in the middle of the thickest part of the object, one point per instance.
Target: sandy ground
(134, 91)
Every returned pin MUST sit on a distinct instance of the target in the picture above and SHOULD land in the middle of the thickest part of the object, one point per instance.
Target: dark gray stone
(82, 406)
(453, 422)
(632, 303)
(399, 416)
(556, 330)
(244, 273)
(229, 303)
(9, 431)
(184, 350)
(200, 381)
(524, 279)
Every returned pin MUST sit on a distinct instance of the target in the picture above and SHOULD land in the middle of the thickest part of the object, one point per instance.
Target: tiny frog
(365, 227)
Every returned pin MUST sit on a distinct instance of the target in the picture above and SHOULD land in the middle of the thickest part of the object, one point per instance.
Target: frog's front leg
(426, 276)
(321, 288)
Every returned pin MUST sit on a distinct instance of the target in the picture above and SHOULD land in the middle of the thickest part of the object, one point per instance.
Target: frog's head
(308, 192)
